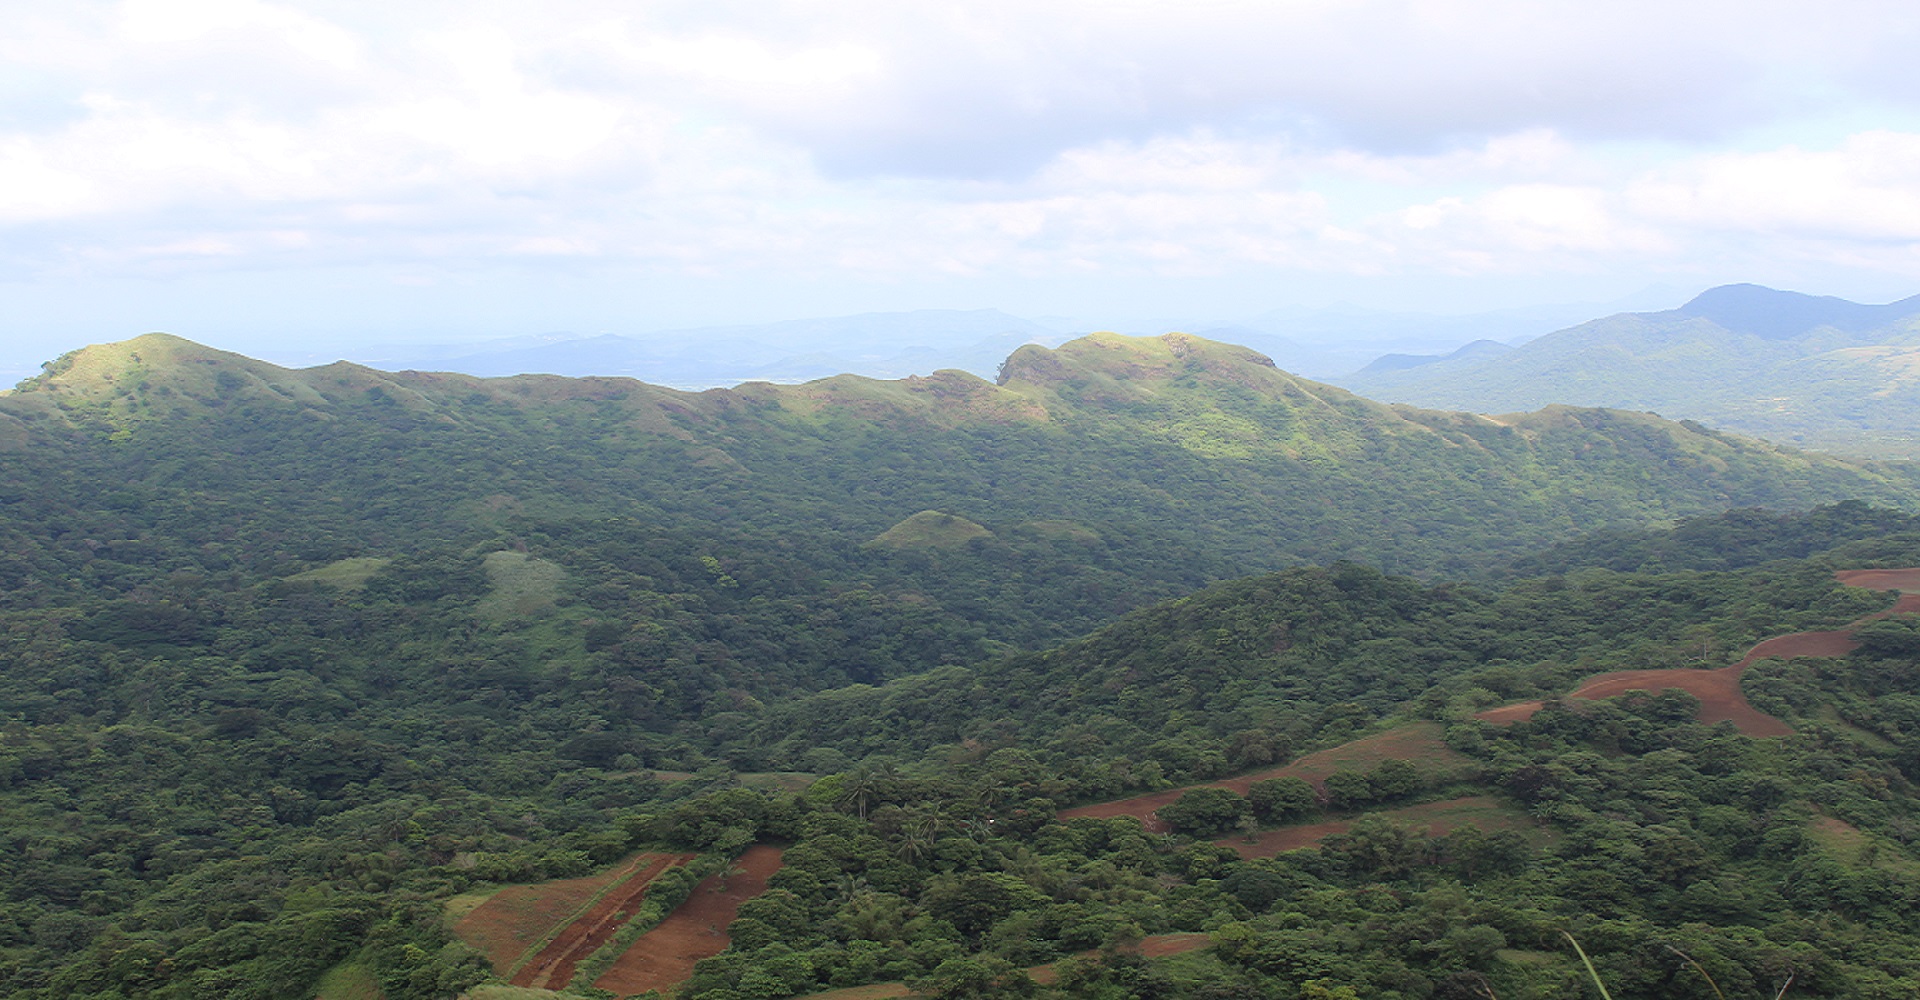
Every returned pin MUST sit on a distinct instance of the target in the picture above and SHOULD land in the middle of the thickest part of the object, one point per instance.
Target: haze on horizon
(271, 177)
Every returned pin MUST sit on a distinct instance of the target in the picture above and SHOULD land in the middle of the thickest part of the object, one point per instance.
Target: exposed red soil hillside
(519, 917)
(552, 967)
(1719, 690)
(664, 957)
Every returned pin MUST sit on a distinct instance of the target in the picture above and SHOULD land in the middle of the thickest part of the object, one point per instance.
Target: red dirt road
(552, 968)
(1719, 690)
(664, 957)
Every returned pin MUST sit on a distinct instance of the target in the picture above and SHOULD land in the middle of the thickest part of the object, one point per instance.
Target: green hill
(1191, 460)
(222, 784)
(1818, 373)
(292, 656)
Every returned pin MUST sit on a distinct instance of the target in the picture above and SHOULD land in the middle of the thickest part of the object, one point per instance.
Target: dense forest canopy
(291, 658)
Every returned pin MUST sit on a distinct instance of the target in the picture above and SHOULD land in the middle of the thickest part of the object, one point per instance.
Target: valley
(1144, 669)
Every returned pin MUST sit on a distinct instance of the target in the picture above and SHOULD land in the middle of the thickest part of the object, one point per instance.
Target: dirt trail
(1719, 690)
(664, 957)
(552, 968)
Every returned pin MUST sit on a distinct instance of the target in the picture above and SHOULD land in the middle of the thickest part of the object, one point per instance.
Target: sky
(270, 175)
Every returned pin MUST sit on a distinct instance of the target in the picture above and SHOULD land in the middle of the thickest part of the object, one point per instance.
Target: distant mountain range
(878, 345)
(1810, 371)
(1317, 343)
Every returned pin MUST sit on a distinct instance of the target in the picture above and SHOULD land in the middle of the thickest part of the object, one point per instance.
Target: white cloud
(1867, 189)
(870, 141)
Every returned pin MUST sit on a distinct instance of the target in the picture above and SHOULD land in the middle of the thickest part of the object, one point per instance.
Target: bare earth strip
(518, 917)
(552, 968)
(664, 957)
(1719, 690)
(1418, 742)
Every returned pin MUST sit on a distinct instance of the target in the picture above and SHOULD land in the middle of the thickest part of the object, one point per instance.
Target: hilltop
(1175, 460)
(1812, 372)
(306, 666)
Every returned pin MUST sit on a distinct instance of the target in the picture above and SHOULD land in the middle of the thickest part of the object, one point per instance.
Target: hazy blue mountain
(1777, 315)
(1472, 354)
(1318, 343)
(878, 345)
(1810, 371)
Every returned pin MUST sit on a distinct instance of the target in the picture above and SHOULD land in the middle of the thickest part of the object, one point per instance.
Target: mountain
(1187, 459)
(337, 682)
(1468, 356)
(1813, 372)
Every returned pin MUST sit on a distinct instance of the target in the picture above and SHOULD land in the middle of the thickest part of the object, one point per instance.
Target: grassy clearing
(493, 991)
(349, 980)
(1831, 717)
(522, 586)
(1857, 848)
(930, 529)
(459, 906)
(346, 574)
(1417, 742)
(1060, 531)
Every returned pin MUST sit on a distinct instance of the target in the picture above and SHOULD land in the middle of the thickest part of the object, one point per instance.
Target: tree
(1282, 800)
(1205, 812)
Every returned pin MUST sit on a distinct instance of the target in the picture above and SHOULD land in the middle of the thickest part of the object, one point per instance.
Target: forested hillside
(292, 658)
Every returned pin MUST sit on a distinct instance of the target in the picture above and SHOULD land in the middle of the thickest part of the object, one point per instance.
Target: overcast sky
(252, 173)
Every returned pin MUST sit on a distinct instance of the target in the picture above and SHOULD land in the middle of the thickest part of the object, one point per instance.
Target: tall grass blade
(1697, 967)
(1588, 962)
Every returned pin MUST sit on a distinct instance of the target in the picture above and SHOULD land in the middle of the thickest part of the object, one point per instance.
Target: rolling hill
(1812, 372)
(292, 657)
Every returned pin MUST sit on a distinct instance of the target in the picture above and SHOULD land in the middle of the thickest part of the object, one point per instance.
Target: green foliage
(1206, 812)
(292, 657)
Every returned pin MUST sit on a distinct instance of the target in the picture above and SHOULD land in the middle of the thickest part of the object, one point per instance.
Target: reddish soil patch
(552, 967)
(1287, 838)
(1438, 817)
(1719, 690)
(1904, 580)
(664, 957)
(1418, 742)
(518, 917)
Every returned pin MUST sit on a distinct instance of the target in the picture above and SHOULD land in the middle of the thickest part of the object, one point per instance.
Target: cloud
(1866, 190)
(861, 140)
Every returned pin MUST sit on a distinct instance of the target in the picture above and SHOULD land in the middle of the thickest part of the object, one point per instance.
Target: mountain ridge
(1806, 371)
